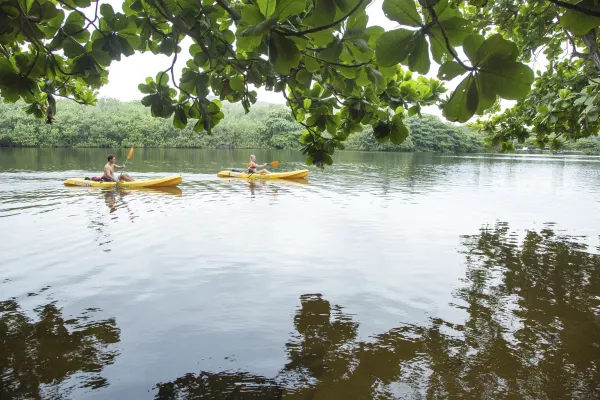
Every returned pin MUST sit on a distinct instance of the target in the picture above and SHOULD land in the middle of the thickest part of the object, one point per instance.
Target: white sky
(127, 74)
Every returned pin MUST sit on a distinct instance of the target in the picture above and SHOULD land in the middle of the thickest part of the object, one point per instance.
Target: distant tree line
(113, 123)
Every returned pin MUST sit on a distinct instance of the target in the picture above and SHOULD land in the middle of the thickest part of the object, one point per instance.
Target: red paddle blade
(130, 153)
(275, 163)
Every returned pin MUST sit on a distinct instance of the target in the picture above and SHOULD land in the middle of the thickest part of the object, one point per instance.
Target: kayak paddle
(273, 164)
(125, 164)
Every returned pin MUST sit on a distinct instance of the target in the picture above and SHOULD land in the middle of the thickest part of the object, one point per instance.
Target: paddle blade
(275, 163)
(130, 153)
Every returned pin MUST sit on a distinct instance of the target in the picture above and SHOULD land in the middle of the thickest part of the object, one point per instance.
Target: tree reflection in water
(38, 356)
(531, 332)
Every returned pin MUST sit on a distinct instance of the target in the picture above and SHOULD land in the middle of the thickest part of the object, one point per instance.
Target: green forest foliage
(113, 123)
(427, 133)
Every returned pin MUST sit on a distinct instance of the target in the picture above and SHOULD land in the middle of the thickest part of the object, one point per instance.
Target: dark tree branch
(435, 19)
(575, 52)
(37, 55)
(232, 12)
(322, 28)
(4, 51)
(576, 7)
(172, 68)
(85, 103)
(91, 22)
(154, 27)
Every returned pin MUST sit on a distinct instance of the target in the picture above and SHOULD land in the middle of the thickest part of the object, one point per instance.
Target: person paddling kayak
(109, 171)
(252, 165)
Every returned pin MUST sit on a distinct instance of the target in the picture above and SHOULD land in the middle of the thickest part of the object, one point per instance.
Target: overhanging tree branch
(576, 7)
(324, 27)
(232, 12)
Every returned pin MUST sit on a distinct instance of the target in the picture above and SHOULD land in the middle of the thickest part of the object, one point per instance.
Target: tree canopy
(337, 72)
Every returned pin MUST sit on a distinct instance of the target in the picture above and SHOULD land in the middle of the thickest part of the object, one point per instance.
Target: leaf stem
(449, 47)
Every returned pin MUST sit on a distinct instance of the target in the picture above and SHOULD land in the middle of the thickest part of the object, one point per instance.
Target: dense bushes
(113, 123)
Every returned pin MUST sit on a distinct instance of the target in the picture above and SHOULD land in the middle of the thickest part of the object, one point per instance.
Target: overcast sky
(126, 74)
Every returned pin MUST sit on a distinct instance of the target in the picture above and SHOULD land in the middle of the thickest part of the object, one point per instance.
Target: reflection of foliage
(323, 338)
(38, 355)
(223, 385)
(531, 331)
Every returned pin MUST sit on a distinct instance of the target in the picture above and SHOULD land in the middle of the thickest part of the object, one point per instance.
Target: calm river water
(386, 276)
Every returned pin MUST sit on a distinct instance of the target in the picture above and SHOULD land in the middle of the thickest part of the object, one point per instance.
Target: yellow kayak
(167, 181)
(299, 174)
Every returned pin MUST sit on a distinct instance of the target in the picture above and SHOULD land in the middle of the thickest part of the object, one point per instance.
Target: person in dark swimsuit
(109, 171)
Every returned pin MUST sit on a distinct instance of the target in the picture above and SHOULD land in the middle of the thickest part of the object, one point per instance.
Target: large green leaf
(445, 11)
(471, 44)
(45, 11)
(450, 70)
(509, 79)
(71, 48)
(398, 131)
(286, 8)
(374, 33)
(332, 51)
(487, 94)
(456, 30)
(418, 58)
(248, 43)
(495, 48)
(322, 38)
(322, 14)
(346, 6)
(107, 11)
(392, 46)
(162, 79)
(357, 20)
(579, 23)
(463, 102)
(311, 64)
(237, 83)
(74, 22)
(375, 77)
(402, 11)
(283, 53)
(267, 7)
(438, 45)
(179, 119)
(251, 14)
